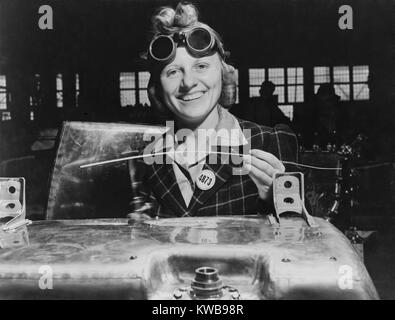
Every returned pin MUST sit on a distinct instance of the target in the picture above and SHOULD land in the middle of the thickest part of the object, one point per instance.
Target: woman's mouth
(191, 96)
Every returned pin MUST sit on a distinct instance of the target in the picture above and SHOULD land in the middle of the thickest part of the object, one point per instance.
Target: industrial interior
(334, 87)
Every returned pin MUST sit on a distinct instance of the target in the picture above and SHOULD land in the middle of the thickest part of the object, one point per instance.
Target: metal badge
(205, 180)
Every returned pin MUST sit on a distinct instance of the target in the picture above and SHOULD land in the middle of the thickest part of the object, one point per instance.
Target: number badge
(205, 180)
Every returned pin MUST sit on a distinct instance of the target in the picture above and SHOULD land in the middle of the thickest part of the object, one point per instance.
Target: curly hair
(184, 17)
(167, 20)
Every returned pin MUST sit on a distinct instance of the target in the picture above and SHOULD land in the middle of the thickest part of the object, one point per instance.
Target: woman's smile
(191, 96)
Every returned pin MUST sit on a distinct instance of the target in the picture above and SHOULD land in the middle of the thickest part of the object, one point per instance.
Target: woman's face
(191, 86)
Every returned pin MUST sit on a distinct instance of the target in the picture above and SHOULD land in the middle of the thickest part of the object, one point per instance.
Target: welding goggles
(198, 41)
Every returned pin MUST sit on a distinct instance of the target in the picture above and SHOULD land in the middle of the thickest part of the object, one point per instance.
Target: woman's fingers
(261, 176)
(269, 158)
(262, 165)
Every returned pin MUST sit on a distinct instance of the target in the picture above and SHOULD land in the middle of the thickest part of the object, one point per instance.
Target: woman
(189, 78)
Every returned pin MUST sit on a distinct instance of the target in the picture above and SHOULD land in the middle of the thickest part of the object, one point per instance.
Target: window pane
(37, 82)
(361, 91)
(128, 98)
(322, 75)
(77, 82)
(143, 96)
(343, 90)
(341, 74)
(127, 80)
(59, 82)
(288, 111)
(59, 99)
(295, 75)
(6, 116)
(3, 100)
(280, 92)
(3, 83)
(256, 76)
(295, 94)
(77, 89)
(59, 91)
(276, 75)
(360, 73)
(254, 91)
(143, 79)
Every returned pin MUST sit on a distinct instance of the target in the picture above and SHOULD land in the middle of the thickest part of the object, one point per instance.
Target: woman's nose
(188, 81)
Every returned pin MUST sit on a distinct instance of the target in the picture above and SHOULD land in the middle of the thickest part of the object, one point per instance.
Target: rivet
(235, 295)
(177, 294)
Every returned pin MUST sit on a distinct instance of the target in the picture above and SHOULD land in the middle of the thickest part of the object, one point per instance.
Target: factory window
(288, 110)
(133, 88)
(256, 77)
(289, 85)
(350, 83)
(143, 78)
(341, 81)
(59, 90)
(295, 91)
(77, 89)
(5, 115)
(35, 93)
(3, 92)
(127, 85)
(360, 76)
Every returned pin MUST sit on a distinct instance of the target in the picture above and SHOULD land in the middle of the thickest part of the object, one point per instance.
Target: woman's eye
(201, 66)
(171, 73)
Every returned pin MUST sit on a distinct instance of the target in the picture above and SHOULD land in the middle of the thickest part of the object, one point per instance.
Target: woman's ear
(229, 80)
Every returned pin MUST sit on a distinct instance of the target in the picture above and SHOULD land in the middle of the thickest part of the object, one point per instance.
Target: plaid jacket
(231, 194)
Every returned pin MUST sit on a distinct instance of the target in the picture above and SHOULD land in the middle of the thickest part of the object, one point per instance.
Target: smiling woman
(188, 84)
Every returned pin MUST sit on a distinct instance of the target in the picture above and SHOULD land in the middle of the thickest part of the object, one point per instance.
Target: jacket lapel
(223, 173)
(165, 187)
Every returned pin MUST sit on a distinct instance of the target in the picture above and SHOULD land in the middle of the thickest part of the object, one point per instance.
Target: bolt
(235, 295)
(177, 294)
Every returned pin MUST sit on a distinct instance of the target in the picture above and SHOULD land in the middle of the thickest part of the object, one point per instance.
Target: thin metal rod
(213, 152)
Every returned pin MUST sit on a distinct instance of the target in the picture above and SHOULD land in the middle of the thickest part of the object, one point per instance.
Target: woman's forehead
(183, 57)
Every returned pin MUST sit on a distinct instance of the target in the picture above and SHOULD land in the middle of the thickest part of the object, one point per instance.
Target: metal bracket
(288, 196)
(13, 203)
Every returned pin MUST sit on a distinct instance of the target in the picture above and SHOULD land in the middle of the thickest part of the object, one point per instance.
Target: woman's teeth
(192, 96)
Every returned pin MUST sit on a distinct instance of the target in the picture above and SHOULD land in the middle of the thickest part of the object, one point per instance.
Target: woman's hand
(261, 167)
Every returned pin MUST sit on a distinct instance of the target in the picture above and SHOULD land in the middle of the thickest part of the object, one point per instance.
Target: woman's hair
(168, 21)
(185, 17)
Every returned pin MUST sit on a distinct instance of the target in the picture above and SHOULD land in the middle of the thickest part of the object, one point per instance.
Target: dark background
(98, 39)
(101, 38)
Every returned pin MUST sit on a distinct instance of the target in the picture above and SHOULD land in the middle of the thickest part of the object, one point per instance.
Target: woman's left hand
(261, 167)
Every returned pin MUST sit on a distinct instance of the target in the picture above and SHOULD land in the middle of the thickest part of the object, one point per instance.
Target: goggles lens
(199, 40)
(162, 48)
